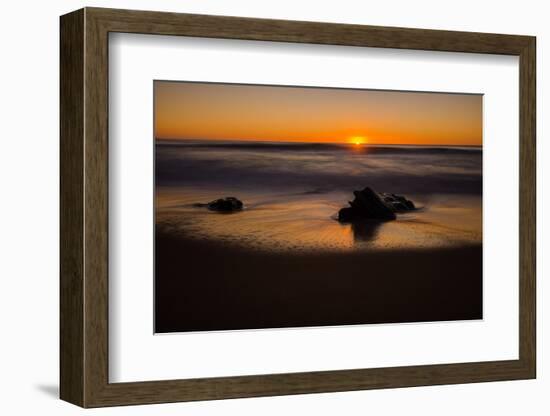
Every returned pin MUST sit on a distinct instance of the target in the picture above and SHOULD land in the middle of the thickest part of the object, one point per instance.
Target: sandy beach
(194, 290)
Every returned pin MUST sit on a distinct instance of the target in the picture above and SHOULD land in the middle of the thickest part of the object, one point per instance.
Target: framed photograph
(254, 207)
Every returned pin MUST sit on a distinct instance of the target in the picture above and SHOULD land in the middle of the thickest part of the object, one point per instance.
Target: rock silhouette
(372, 205)
(398, 202)
(228, 204)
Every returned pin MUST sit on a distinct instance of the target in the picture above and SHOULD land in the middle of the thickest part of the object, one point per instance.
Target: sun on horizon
(358, 140)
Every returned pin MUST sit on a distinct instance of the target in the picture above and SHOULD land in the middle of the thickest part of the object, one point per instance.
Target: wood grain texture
(96, 216)
(527, 209)
(71, 199)
(84, 207)
(162, 23)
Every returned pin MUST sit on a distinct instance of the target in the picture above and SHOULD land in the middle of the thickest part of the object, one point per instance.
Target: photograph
(291, 206)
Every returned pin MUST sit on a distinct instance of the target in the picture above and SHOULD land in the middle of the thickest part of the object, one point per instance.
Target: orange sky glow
(211, 111)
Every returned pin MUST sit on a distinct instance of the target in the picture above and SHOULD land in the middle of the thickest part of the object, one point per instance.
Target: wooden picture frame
(84, 207)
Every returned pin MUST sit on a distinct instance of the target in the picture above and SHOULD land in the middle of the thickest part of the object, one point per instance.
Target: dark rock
(371, 205)
(228, 204)
(398, 206)
(406, 202)
(347, 214)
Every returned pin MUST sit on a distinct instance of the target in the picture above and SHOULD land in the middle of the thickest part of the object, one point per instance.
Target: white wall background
(29, 210)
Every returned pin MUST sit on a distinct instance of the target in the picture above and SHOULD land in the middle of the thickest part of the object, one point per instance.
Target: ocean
(292, 193)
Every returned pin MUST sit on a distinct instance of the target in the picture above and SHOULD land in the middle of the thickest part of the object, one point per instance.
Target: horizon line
(320, 142)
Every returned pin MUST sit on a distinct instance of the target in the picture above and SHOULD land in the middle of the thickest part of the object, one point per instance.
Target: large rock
(368, 204)
(228, 204)
(371, 205)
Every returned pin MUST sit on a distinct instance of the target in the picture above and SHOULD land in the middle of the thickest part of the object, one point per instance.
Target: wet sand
(306, 221)
(202, 285)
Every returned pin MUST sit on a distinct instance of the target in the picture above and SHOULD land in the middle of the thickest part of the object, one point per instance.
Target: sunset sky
(185, 110)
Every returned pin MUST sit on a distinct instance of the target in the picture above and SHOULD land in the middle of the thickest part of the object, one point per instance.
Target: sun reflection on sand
(306, 222)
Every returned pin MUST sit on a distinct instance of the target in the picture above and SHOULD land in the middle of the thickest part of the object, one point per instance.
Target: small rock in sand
(228, 204)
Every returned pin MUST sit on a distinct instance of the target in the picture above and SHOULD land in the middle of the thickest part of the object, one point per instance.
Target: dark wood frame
(84, 212)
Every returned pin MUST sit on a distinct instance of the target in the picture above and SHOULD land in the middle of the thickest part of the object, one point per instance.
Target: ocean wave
(318, 167)
(308, 147)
